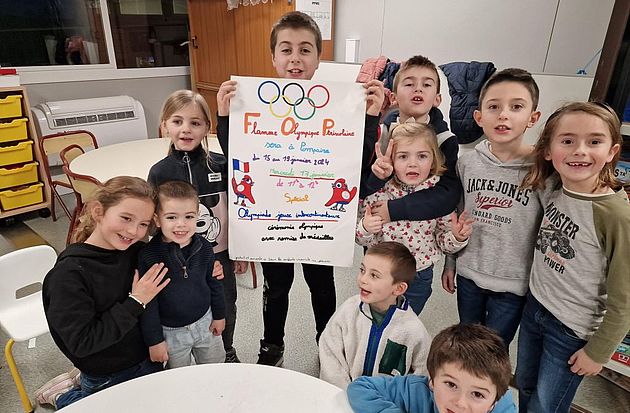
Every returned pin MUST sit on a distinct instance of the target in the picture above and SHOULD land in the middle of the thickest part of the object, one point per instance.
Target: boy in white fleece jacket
(376, 333)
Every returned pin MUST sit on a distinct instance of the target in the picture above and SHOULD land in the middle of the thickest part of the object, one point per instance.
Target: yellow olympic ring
(286, 99)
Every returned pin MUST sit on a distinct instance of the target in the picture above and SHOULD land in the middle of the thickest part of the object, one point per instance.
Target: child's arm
(151, 325)
(430, 203)
(332, 359)
(616, 322)
(227, 90)
(375, 96)
(367, 226)
(398, 394)
(217, 299)
(453, 236)
(84, 331)
(448, 274)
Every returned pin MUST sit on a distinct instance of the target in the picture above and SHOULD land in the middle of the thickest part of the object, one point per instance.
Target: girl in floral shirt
(417, 163)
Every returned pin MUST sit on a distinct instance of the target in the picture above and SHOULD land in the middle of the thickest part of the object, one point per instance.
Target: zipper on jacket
(376, 333)
(185, 271)
(186, 160)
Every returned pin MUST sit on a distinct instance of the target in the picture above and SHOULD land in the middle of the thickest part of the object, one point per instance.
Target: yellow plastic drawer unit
(22, 196)
(18, 175)
(11, 106)
(14, 130)
(22, 152)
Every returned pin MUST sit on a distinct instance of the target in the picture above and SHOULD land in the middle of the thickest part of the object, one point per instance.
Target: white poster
(295, 161)
(321, 11)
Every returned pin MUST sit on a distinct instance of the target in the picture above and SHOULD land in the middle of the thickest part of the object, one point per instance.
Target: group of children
(540, 235)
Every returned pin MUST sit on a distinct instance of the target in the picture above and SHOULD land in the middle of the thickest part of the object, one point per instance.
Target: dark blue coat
(465, 81)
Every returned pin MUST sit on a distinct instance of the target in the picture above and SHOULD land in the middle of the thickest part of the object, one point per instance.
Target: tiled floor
(44, 361)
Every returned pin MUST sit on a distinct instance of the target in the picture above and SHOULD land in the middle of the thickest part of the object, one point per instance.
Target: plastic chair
(21, 308)
(51, 145)
(82, 185)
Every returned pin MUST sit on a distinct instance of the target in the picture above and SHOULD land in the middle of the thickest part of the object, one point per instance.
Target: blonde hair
(543, 169)
(113, 192)
(410, 131)
(179, 100)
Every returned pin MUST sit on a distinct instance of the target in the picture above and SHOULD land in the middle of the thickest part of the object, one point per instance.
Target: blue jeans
(499, 311)
(420, 290)
(545, 381)
(91, 384)
(195, 340)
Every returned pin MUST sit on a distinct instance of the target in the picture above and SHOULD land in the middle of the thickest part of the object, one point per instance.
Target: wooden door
(235, 42)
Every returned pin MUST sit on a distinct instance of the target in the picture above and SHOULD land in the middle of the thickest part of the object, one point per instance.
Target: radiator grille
(94, 118)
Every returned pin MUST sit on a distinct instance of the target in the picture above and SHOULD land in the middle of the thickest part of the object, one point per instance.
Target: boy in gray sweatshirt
(493, 270)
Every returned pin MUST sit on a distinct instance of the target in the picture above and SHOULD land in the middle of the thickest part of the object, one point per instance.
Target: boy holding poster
(296, 45)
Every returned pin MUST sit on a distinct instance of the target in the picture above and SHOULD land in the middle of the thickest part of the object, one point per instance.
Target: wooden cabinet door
(235, 42)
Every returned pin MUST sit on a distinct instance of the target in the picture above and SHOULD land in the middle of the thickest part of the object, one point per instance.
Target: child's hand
(226, 91)
(448, 280)
(147, 287)
(383, 167)
(461, 226)
(372, 223)
(240, 267)
(380, 208)
(217, 270)
(217, 327)
(375, 96)
(159, 352)
(583, 365)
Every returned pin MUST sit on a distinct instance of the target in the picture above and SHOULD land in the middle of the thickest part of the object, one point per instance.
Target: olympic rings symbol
(293, 95)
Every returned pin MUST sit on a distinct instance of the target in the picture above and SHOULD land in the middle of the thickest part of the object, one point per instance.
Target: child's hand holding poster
(295, 155)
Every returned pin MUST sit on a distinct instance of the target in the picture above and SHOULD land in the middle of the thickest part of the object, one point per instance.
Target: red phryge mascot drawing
(243, 190)
(341, 195)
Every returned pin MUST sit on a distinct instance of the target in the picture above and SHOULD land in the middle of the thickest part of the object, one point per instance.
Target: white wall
(555, 90)
(510, 33)
(151, 92)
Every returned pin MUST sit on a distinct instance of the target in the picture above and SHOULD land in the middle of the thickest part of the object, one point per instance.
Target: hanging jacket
(387, 77)
(465, 81)
(373, 68)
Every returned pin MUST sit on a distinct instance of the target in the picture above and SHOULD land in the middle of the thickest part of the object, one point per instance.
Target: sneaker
(51, 390)
(231, 357)
(270, 354)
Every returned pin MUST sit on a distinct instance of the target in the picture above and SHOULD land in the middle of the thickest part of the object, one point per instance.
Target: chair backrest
(24, 268)
(53, 144)
(69, 153)
(83, 185)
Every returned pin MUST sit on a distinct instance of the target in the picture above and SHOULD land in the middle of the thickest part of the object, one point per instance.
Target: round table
(237, 388)
(132, 158)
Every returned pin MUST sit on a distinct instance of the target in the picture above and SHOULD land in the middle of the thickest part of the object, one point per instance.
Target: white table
(132, 158)
(218, 388)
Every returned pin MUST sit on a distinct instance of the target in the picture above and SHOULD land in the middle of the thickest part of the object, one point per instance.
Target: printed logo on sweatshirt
(493, 196)
(505, 193)
(554, 238)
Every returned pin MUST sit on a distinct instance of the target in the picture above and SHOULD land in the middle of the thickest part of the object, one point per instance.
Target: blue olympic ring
(277, 95)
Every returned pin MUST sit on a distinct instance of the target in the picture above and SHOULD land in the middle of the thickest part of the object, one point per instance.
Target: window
(138, 33)
(149, 33)
(50, 32)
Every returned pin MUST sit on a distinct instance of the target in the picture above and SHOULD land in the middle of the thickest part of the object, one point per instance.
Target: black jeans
(278, 281)
(229, 291)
